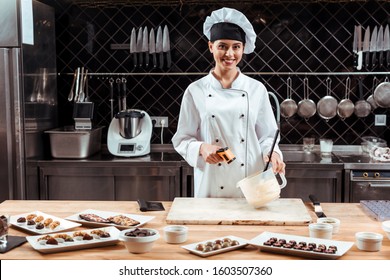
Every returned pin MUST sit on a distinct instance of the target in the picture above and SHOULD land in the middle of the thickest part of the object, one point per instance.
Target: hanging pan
(362, 107)
(306, 107)
(346, 107)
(371, 99)
(327, 106)
(382, 94)
(288, 107)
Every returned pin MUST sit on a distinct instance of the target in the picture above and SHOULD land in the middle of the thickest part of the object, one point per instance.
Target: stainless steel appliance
(369, 184)
(28, 99)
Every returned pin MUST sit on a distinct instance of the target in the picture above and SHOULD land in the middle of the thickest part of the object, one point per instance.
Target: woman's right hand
(209, 153)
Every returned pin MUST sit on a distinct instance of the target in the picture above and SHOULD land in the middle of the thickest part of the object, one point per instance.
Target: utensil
(362, 107)
(373, 47)
(139, 47)
(119, 95)
(371, 99)
(306, 107)
(288, 107)
(346, 107)
(382, 94)
(159, 46)
(386, 44)
(111, 81)
(76, 92)
(82, 88)
(87, 99)
(167, 46)
(145, 45)
(152, 47)
(71, 93)
(124, 93)
(317, 206)
(272, 149)
(357, 47)
(133, 46)
(379, 43)
(327, 106)
(81, 91)
(366, 48)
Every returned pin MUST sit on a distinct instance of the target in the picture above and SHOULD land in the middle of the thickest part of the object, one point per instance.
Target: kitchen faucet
(277, 107)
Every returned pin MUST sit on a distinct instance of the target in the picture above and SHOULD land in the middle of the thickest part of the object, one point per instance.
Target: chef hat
(230, 24)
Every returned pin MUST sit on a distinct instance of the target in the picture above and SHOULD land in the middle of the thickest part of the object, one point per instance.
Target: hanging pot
(346, 107)
(371, 99)
(382, 94)
(306, 107)
(362, 107)
(327, 106)
(288, 107)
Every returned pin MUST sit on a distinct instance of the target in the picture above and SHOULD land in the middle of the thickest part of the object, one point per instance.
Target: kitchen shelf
(246, 73)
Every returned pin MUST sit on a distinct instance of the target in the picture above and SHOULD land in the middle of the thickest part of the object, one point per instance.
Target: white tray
(76, 244)
(191, 247)
(342, 246)
(64, 224)
(143, 219)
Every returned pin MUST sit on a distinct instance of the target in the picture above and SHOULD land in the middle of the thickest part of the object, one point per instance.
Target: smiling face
(227, 54)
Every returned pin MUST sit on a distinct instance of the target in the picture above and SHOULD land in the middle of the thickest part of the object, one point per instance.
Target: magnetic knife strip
(378, 209)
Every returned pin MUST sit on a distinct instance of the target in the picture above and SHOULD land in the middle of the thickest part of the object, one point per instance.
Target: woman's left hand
(278, 165)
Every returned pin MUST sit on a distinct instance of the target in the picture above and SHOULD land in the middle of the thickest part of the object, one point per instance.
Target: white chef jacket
(240, 118)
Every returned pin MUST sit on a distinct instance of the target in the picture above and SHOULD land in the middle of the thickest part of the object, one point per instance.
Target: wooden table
(351, 215)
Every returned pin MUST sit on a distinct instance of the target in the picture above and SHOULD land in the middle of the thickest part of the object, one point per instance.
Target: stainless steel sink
(300, 156)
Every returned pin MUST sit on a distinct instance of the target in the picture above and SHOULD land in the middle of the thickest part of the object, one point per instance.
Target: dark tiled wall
(297, 38)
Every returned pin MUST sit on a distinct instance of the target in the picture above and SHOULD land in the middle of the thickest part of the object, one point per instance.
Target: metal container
(66, 142)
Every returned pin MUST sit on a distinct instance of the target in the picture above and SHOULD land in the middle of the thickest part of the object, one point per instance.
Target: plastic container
(335, 223)
(67, 142)
(139, 244)
(369, 241)
(320, 230)
(386, 228)
(175, 234)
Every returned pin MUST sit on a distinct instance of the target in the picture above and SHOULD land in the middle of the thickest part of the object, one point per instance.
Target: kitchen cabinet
(108, 180)
(323, 180)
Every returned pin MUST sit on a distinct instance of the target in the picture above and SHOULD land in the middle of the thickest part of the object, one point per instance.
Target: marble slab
(236, 211)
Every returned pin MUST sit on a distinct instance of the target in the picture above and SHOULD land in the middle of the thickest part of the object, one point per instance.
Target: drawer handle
(378, 185)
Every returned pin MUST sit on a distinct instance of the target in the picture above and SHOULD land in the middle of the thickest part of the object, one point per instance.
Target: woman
(226, 109)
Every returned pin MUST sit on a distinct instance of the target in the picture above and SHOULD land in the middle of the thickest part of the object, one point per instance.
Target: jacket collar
(216, 84)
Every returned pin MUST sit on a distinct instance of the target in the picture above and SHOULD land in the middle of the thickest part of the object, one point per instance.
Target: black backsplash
(295, 40)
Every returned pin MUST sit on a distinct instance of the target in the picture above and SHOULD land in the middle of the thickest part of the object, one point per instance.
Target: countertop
(352, 217)
(342, 157)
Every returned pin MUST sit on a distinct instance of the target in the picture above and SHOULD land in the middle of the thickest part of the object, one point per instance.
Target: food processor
(129, 133)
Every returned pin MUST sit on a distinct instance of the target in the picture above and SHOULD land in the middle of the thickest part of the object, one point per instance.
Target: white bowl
(139, 244)
(386, 228)
(319, 230)
(335, 223)
(369, 241)
(175, 234)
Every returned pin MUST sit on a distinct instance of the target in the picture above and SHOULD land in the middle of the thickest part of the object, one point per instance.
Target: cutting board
(236, 211)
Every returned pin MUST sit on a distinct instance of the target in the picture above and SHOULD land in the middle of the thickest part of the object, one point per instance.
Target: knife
(159, 46)
(354, 47)
(139, 46)
(373, 47)
(379, 45)
(317, 206)
(167, 46)
(386, 45)
(366, 47)
(359, 48)
(133, 46)
(152, 47)
(145, 45)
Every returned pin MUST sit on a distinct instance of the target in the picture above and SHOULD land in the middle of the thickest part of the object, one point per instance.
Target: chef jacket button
(219, 164)
(210, 95)
(216, 140)
(212, 116)
(242, 115)
(242, 140)
(243, 95)
(221, 187)
(242, 164)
